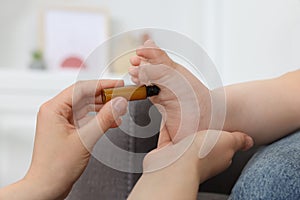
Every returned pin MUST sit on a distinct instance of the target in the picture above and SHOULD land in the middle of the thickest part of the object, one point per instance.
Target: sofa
(100, 181)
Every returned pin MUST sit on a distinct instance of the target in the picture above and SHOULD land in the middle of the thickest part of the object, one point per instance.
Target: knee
(272, 174)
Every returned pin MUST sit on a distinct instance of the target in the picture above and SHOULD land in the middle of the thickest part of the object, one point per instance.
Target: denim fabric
(272, 173)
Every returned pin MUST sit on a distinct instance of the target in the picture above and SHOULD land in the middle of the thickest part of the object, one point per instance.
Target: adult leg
(272, 173)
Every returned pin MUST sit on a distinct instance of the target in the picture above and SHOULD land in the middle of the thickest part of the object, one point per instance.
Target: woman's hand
(176, 170)
(65, 135)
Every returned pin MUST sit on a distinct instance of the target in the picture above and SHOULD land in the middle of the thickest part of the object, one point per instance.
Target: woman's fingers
(85, 89)
(82, 122)
(241, 141)
(80, 95)
(222, 146)
(85, 110)
(108, 116)
(215, 140)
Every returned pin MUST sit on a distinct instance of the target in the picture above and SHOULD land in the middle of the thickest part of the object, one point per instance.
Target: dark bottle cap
(152, 90)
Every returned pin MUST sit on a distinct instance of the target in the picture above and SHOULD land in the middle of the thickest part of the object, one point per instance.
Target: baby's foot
(182, 88)
(150, 53)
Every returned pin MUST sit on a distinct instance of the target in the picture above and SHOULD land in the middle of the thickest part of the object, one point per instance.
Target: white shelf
(23, 91)
(35, 80)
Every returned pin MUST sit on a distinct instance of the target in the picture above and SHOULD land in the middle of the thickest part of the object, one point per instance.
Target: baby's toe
(133, 71)
(153, 54)
(135, 60)
(135, 80)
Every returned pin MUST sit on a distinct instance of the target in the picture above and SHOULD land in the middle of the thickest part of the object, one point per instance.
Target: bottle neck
(152, 90)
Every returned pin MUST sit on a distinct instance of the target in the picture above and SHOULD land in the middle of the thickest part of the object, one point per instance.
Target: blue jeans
(272, 173)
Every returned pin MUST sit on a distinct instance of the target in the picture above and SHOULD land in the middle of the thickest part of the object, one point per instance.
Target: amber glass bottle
(130, 93)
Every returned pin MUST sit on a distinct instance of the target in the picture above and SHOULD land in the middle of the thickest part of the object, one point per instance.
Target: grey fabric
(211, 196)
(104, 183)
(272, 173)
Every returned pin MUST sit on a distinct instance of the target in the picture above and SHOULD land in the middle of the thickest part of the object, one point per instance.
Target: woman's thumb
(110, 113)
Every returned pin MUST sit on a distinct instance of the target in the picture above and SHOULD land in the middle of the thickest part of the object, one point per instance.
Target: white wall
(247, 39)
(261, 38)
(18, 31)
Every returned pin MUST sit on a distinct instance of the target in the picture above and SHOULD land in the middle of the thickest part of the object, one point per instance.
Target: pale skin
(65, 134)
(181, 179)
(266, 110)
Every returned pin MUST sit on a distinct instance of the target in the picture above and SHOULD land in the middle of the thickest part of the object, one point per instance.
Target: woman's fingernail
(119, 104)
(249, 142)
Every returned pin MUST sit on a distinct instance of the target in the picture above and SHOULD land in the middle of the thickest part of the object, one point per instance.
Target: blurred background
(247, 40)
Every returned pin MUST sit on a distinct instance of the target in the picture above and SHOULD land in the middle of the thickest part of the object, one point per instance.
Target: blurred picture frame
(70, 34)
